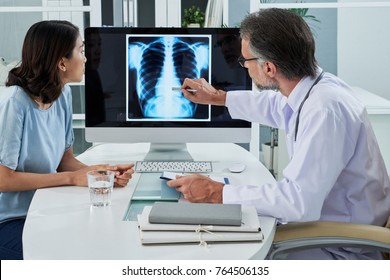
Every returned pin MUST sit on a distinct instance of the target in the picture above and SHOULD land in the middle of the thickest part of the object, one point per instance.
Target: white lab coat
(336, 171)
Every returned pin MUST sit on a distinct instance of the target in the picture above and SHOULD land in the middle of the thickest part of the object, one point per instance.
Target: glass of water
(100, 185)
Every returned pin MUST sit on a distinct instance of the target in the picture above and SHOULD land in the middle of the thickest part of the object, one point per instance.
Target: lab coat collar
(297, 95)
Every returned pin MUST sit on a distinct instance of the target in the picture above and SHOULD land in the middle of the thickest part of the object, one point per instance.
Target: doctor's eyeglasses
(242, 60)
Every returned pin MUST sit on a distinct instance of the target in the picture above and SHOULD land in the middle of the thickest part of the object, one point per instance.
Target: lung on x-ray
(156, 65)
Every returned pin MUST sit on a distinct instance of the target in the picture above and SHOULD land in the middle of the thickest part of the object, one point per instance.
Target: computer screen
(132, 78)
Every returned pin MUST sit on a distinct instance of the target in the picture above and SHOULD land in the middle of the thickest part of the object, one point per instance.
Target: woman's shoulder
(14, 102)
(65, 99)
(13, 93)
(66, 89)
(66, 95)
(66, 92)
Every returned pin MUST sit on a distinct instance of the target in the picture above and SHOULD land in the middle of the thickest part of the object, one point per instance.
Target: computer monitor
(130, 80)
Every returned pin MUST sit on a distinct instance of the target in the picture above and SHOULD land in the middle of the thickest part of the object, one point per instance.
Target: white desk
(61, 224)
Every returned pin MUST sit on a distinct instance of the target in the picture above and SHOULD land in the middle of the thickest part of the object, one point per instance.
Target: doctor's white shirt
(336, 171)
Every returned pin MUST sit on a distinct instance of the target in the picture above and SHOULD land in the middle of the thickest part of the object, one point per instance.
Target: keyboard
(173, 166)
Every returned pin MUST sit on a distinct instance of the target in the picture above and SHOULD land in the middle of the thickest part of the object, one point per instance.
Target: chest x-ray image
(159, 63)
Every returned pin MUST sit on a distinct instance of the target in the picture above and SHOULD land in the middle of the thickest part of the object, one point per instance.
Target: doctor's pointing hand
(204, 92)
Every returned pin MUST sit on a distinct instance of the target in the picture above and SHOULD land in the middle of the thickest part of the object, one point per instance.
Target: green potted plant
(193, 17)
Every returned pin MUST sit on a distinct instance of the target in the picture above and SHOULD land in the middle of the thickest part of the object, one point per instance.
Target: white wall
(16, 17)
(364, 47)
(237, 11)
(14, 27)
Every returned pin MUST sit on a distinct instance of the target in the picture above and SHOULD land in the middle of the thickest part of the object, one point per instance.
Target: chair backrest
(387, 255)
(387, 225)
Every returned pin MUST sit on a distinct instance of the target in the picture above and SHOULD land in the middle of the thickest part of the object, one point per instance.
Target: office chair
(299, 236)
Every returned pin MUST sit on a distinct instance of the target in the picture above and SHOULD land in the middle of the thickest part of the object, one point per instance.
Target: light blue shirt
(336, 171)
(32, 140)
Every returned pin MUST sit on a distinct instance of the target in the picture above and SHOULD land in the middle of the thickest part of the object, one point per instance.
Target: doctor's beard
(273, 85)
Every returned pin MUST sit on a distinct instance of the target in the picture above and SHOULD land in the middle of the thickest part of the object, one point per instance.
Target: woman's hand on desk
(124, 173)
(198, 188)
(79, 177)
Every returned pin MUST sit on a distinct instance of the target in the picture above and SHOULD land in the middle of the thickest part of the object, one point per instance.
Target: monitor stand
(168, 151)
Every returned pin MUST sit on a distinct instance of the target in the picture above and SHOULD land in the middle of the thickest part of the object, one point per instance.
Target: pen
(187, 89)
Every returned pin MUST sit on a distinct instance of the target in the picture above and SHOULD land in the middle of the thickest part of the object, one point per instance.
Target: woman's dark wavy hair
(282, 37)
(45, 44)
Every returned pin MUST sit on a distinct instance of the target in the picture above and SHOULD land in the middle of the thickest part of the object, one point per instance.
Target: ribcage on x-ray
(184, 61)
(151, 66)
(162, 63)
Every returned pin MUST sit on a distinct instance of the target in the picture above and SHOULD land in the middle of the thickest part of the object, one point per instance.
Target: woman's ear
(62, 65)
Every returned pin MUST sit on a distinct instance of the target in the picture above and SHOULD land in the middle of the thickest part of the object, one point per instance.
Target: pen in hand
(187, 89)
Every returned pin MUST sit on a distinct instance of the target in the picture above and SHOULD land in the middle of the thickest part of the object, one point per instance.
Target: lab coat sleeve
(310, 175)
(263, 107)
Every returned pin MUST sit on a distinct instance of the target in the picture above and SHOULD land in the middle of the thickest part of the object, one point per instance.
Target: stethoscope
(306, 97)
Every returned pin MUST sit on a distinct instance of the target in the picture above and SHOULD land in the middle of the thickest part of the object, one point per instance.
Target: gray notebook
(196, 213)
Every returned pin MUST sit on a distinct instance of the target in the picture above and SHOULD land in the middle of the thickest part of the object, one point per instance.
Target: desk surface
(61, 224)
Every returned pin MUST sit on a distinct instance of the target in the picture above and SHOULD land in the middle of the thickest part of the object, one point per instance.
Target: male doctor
(336, 171)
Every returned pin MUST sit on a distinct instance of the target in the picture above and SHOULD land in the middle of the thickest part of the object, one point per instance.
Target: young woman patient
(36, 127)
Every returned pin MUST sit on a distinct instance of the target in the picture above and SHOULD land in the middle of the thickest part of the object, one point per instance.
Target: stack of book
(169, 222)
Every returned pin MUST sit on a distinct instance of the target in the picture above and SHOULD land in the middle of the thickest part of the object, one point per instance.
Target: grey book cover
(196, 213)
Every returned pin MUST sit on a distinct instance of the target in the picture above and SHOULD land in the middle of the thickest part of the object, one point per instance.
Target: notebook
(201, 237)
(249, 231)
(249, 223)
(196, 213)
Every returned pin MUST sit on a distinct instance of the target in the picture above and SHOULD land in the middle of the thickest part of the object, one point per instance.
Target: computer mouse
(236, 167)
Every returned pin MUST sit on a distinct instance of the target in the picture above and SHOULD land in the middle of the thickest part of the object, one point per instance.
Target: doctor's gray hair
(283, 38)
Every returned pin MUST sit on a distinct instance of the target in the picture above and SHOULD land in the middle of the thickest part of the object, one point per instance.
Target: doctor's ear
(270, 69)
